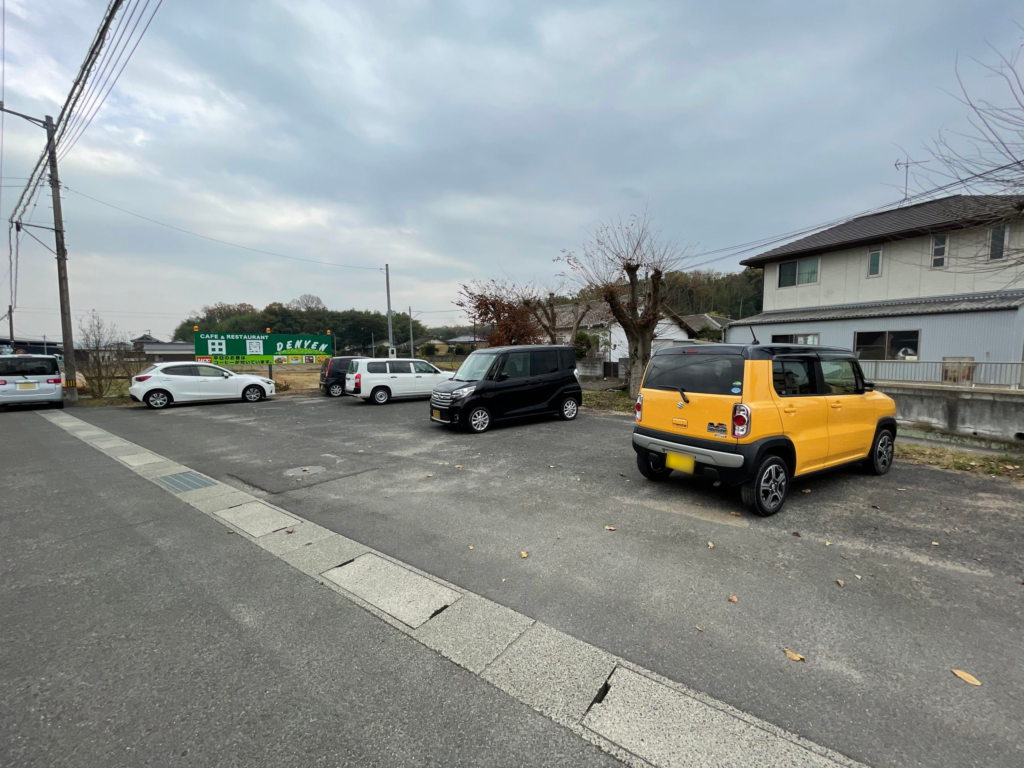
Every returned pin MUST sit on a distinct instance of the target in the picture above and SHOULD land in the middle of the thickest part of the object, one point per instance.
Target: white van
(28, 379)
(377, 381)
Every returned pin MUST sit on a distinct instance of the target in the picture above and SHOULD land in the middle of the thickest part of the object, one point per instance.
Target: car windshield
(28, 366)
(475, 367)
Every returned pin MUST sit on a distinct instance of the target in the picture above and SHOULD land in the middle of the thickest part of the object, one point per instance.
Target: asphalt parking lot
(876, 685)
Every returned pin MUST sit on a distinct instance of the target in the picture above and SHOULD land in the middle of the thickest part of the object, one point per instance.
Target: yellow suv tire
(766, 491)
(652, 466)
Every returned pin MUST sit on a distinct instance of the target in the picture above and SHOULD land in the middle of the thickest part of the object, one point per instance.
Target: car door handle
(837, 405)
(789, 410)
(418, 376)
(394, 377)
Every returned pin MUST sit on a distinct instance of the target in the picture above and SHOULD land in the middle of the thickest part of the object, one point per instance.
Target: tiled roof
(952, 212)
(698, 322)
(974, 302)
(598, 316)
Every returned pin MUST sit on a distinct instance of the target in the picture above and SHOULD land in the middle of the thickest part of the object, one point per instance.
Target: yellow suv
(759, 415)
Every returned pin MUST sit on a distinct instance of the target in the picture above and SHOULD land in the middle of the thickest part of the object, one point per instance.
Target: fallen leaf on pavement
(797, 534)
(967, 677)
(794, 656)
(609, 527)
(429, 475)
(736, 514)
(1009, 466)
(875, 506)
(290, 531)
(551, 466)
(828, 543)
(458, 466)
(470, 546)
(901, 489)
(360, 451)
(698, 628)
(524, 554)
(502, 580)
(935, 543)
(805, 490)
(230, 531)
(733, 599)
(857, 575)
(840, 582)
(622, 474)
(710, 545)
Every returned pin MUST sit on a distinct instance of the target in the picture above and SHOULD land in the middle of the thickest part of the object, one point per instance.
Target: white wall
(906, 272)
(665, 334)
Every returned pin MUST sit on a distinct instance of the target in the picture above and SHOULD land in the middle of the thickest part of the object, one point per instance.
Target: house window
(997, 243)
(939, 251)
(796, 338)
(887, 345)
(875, 262)
(801, 272)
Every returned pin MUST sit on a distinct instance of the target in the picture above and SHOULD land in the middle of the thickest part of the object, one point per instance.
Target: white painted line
(473, 632)
(134, 460)
(256, 518)
(397, 591)
(552, 672)
(668, 728)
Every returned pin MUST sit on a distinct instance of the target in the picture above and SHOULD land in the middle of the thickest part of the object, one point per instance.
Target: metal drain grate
(184, 481)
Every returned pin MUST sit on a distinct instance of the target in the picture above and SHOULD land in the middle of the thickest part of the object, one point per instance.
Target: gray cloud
(463, 139)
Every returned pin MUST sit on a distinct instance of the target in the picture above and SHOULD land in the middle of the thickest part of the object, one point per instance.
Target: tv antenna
(905, 164)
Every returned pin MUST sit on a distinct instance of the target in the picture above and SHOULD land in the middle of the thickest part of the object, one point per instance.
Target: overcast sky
(459, 140)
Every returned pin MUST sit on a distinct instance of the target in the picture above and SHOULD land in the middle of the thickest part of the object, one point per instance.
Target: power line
(117, 77)
(214, 239)
(91, 91)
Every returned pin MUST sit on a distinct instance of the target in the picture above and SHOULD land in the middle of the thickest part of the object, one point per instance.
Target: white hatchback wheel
(253, 394)
(158, 399)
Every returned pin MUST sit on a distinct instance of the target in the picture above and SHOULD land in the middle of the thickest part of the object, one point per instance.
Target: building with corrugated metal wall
(939, 281)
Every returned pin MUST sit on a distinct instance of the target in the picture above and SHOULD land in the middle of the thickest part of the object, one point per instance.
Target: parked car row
(755, 416)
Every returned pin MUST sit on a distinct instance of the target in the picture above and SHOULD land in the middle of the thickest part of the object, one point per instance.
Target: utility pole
(412, 348)
(387, 283)
(70, 383)
(10, 323)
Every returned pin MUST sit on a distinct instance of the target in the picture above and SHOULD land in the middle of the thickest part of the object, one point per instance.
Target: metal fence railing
(947, 373)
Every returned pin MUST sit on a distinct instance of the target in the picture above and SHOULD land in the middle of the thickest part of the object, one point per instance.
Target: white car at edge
(164, 383)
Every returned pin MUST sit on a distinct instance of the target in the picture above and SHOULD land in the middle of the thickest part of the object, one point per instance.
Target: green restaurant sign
(261, 348)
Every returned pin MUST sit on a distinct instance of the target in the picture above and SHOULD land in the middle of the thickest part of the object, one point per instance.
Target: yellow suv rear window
(705, 374)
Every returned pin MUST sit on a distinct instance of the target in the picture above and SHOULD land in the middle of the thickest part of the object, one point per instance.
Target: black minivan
(508, 383)
(332, 375)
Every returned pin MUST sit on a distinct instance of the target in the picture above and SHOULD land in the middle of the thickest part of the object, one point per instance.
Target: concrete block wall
(984, 413)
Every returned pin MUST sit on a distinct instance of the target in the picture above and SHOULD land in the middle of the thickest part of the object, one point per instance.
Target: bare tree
(544, 306)
(626, 263)
(107, 356)
(988, 159)
(307, 302)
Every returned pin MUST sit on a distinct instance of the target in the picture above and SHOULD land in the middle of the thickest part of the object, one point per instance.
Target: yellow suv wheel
(766, 492)
(652, 466)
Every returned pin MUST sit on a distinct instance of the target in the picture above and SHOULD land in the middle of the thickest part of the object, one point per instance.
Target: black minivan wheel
(478, 420)
(652, 466)
(336, 389)
(569, 410)
(766, 492)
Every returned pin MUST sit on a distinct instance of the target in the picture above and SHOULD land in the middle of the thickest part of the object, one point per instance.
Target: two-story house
(937, 281)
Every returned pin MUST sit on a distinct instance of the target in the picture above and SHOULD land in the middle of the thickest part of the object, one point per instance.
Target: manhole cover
(303, 471)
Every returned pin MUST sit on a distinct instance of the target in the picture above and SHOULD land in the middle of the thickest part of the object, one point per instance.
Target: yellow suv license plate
(435, 413)
(680, 462)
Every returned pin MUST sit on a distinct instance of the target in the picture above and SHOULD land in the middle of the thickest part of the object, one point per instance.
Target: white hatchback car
(164, 383)
(378, 381)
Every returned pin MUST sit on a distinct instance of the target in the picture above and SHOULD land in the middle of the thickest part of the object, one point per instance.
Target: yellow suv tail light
(639, 407)
(740, 420)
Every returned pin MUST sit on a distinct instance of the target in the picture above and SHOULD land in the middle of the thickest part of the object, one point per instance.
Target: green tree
(429, 350)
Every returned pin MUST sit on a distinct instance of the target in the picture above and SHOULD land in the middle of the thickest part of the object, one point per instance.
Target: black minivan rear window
(707, 374)
(28, 366)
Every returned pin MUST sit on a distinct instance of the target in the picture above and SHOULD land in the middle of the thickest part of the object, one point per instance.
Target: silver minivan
(26, 379)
